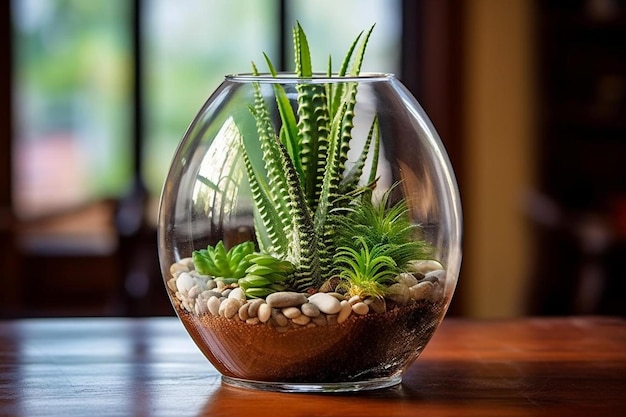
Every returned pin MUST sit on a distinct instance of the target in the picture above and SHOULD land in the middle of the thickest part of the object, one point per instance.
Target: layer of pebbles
(202, 294)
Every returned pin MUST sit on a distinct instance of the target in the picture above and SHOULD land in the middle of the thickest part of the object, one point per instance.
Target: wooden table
(123, 367)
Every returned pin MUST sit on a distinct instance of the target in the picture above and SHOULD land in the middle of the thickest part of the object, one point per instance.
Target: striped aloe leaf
(303, 248)
(271, 237)
(351, 179)
(313, 121)
(305, 164)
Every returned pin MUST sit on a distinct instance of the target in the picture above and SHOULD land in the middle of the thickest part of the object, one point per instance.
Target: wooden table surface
(143, 367)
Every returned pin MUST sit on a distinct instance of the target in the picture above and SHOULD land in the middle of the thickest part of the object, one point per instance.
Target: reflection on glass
(190, 46)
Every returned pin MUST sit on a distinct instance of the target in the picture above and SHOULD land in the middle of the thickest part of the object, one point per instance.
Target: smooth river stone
(229, 308)
(407, 279)
(237, 293)
(301, 320)
(279, 318)
(177, 268)
(310, 310)
(399, 293)
(291, 312)
(213, 304)
(422, 291)
(243, 312)
(285, 299)
(264, 312)
(360, 308)
(326, 303)
(184, 282)
(254, 306)
(346, 309)
(436, 276)
(424, 267)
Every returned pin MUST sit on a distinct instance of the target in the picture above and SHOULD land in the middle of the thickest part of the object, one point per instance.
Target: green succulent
(265, 275)
(365, 271)
(379, 223)
(229, 265)
(314, 217)
(304, 173)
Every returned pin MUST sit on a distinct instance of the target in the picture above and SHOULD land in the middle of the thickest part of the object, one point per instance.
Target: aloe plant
(304, 176)
(313, 217)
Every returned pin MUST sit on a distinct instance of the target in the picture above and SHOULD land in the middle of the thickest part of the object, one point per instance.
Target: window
(331, 25)
(71, 103)
(189, 46)
(74, 97)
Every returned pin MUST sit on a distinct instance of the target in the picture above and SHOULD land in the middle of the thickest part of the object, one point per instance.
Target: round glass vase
(310, 231)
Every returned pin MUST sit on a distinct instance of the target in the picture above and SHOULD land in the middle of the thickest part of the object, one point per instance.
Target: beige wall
(498, 170)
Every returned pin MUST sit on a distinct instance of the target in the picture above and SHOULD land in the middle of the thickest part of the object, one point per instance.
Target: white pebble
(301, 320)
(436, 276)
(346, 309)
(326, 303)
(238, 294)
(354, 299)
(310, 310)
(194, 291)
(279, 318)
(291, 312)
(422, 291)
(177, 268)
(407, 279)
(194, 273)
(229, 308)
(285, 299)
(184, 282)
(424, 267)
(188, 261)
(201, 307)
(264, 312)
(213, 304)
(399, 293)
(243, 312)
(360, 308)
(254, 306)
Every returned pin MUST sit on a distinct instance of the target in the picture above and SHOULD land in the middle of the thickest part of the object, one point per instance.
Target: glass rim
(317, 78)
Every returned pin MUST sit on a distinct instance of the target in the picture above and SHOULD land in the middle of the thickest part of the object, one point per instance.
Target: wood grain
(144, 367)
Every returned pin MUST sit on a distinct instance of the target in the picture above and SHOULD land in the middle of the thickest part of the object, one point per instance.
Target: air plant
(376, 223)
(365, 271)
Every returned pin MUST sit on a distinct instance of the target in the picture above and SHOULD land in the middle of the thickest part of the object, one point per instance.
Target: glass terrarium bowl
(310, 231)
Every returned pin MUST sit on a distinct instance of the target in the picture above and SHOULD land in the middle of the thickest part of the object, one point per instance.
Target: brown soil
(359, 349)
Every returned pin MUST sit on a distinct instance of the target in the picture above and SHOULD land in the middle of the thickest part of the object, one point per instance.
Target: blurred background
(528, 96)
